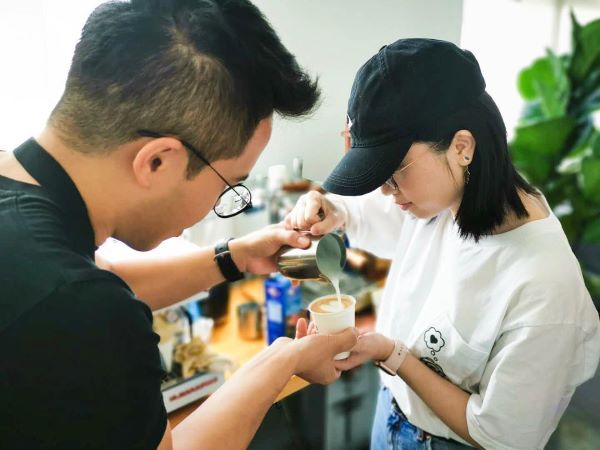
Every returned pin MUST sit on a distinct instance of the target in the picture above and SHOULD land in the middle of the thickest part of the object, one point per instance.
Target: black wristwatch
(225, 261)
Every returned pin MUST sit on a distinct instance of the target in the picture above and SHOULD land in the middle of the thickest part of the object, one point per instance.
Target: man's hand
(370, 346)
(315, 352)
(256, 252)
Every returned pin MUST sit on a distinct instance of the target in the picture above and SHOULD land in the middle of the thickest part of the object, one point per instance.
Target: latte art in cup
(330, 304)
(331, 316)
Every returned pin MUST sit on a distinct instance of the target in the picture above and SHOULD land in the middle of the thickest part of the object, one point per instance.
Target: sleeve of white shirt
(373, 222)
(527, 384)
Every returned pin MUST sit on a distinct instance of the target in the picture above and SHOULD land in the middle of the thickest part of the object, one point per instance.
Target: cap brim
(364, 169)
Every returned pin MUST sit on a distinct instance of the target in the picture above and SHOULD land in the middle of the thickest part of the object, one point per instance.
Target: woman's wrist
(384, 349)
(339, 210)
(407, 366)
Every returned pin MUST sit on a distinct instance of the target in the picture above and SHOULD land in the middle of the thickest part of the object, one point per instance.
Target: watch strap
(225, 262)
(395, 360)
(222, 246)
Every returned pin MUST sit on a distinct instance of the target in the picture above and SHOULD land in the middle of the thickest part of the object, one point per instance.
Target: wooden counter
(227, 341)
(226, 338)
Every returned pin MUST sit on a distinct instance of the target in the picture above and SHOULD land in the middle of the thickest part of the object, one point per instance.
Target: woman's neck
(536, 210)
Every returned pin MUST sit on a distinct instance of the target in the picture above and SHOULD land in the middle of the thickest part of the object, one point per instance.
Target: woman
(485, 326)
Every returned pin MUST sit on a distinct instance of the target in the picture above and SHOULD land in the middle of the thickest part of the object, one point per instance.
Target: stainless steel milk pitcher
(312, 263)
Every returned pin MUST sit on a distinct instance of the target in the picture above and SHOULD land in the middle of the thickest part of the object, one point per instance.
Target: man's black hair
(206, 70)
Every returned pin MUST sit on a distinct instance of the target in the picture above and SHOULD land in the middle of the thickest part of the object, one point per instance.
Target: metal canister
(308, 264)
(249, 320)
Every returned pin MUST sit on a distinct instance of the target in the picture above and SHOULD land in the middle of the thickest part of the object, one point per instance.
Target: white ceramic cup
(333, 322)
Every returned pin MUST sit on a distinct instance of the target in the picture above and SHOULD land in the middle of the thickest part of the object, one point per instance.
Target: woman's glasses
(391, 182)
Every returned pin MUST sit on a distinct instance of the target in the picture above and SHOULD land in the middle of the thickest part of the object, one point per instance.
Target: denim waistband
(422, 433)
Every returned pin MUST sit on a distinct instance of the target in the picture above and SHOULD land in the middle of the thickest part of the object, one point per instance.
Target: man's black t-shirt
(79, 362)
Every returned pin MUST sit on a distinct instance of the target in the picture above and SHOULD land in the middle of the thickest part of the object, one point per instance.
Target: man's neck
(91, 175)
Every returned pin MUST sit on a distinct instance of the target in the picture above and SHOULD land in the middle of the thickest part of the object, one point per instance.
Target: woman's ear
(156, 156)
(462, 147)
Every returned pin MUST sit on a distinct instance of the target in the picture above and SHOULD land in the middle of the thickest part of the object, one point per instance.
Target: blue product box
(283, 303)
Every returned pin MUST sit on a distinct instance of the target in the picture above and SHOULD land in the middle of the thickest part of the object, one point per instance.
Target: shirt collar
(55, 181)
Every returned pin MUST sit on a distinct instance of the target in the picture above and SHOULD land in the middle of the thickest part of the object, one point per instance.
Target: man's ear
(462, 147)
(155, 156)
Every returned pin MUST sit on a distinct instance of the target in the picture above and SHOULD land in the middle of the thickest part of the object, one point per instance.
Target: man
(167, 104)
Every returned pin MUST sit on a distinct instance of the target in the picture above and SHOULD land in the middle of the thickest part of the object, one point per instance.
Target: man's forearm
(230, 417)
(161, 282)
(445, 399)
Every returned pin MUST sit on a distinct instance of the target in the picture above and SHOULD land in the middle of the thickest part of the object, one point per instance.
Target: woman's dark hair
(205, 70)
(492, 191)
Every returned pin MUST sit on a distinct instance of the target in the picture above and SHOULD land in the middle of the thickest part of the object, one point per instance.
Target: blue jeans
(392, 431)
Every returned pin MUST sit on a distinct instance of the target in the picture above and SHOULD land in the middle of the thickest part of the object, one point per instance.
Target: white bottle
(277, 176)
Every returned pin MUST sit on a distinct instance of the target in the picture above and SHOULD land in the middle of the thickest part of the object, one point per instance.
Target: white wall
(508, 35)
(37, 40)
(332, 39)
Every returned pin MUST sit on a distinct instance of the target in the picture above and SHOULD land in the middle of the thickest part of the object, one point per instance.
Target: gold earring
(467, 175)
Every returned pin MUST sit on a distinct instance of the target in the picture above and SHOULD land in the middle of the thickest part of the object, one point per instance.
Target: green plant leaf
(536, 147)
(546, 80)
(595, 144)
(586, 49)
(585, 96)
(591, 233)
(544, 138)
(582, 148)
(539, 70)
(592, 283)
(535, 173)
(570, 224)
(556, 146)
(590, 179)
(532, 112)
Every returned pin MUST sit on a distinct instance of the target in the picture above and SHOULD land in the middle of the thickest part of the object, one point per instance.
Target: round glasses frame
(238, 197)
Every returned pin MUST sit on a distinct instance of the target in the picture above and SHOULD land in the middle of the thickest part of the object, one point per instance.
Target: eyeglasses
(233, 200)
(391, 182)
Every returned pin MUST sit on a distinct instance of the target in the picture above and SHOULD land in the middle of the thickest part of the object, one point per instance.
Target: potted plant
(556, 145)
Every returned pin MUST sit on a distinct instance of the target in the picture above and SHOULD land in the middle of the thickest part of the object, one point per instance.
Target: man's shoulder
(31, 222)
(29, 213)
(99, 301)
(82, 292)
(88, 346)
(37, 260)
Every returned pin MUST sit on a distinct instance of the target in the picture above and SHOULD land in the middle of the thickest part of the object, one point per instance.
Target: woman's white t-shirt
(508, 319)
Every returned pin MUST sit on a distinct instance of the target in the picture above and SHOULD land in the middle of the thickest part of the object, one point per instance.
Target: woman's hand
(370, 346)
(256, 252)
(315, 352)
(316, 213)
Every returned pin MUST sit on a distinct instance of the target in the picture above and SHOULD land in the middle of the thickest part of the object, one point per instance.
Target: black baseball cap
(399, 93)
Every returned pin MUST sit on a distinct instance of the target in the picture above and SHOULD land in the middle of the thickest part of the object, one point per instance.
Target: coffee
(330, 304)
(331, 318)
